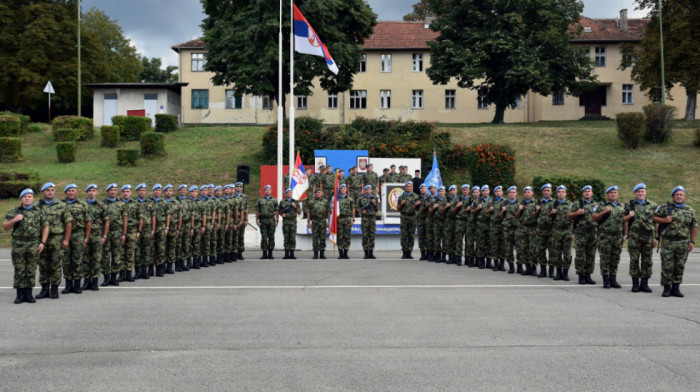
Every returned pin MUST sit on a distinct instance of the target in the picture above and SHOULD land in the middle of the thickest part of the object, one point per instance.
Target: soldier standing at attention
(329, 183)
(198, 227)
(73, 258)
(482, 215)
(183, 250)
(641, 239)
(609, 217)
(420, 220)
(229, 222)
(439, 207)
(60, 228)
(406, 206)
(498, 248)
(448, 228)
(346, 218)
(112, 249)
(371, 178)
(384, 179)
(289, 209)
(428, 211)
(235, 222)
(393, 176)
(470, 246)
(367, 205)
(172, 222)
(159, 235)
(215, 219)
(221, 212)
(243, 222)
(403, 175)
(584, 236)
(267, 217)
(525, 236)
(561, 234)
(99, 229)
(131, 231)
(208, 211)
(510, 226)
(460, 212)
(30, 231)
(354, 182)
(319, 209)
(543, 239)
(678, 230)
(316, 181)
(144, 244)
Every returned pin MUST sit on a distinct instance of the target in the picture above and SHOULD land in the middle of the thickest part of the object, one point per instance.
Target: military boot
(613, 282)
(144, 272)
(54, 291)
(205, 262)
(69, 287)
(286, 255)
(371, 254)
(93, 284)
(403, 255)
(44, 291)
(458, 260)
(543, 272)
(502, 264)
(551, 271)
(269, 255)
(366, 254)
(160, 269)
(666, 293)
(128, 277)
(589, 280)
(606, 281)
(322, 255)
(291, 255)
(178, 266)
(106, 281)
(120, 276)
(565, 274)
(635, 284)
(220, 257)
(644, 285)
(113, 280)
(28, 295)
(234, 256)
(20, 296)
(676, 290)
(264, 255)
(169, 268)
(581, 278)
(488, 263)
(558, 276)
(137, 272)
(184, 267)
(443, 256)
(520, 268)
(340, 254)
(195, 262)
(151, 270)
(408, 255)
(527, 270)
(511, 267)
(534, 270)
(76, 286)
(86, 284)
(422, 255)
(470, 261)
(315, 255)
(240, 255)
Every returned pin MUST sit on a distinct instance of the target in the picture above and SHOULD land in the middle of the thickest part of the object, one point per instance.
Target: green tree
(681, 55)
(505, 48)
(425, 9)
(152, 71)
(242, 44)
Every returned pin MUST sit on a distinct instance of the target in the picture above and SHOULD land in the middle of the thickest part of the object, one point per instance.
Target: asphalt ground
(383, 325)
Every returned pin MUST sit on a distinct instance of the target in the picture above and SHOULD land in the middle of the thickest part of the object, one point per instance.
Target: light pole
(661, 38)
(79, 82)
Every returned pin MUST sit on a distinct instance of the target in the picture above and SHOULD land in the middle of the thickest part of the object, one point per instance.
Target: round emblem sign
(393, 197)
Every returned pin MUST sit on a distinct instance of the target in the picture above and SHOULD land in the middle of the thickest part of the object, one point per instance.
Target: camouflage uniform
(26, 236)
(543, 238)
(132, 210)
(496, 235)
(112, 249)
(328, 185)
(289, 222)
(214, 235)
(207, 211)
(266, 207)
(354, 182)
(448, 227)
(560, 255)
(73, 256)
(438, 221)
(318, 213)
(232, 239)
(421, 215)
(345, 218)
(408, 221)
(511, 226)
(143, 255)
(196, 241)
(483, 219)
(640, 237)
(675, 241)
(428, 224)
(470, 236)
(369, 220)
(92, 254)
(585, 233)
(172, 209)
(610, 237)
(461, 224)
(159, 238)
(184, 245)
(243, 221)
(371, 179)
(51, 258)
(403, 178)
(526, 234)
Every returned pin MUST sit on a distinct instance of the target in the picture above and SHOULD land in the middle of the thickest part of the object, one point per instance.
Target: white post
(280, 118)
(291, 92)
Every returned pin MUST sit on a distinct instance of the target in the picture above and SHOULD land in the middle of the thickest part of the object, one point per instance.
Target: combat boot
(667, 291)
(527, 270)
(520, 268)
(151, 269)
(422, 255)
(565, 274)
(28, 295)
(429, 255)
(86, 284)
(195, 262)
(54, 291)
(137, 272)
(113, 280)
(408, 255)
(160, 269)
(543, 272)
(93, 284)
(443, 256)
(635, 284)
(120, 277)
(220, 257)
(366, 254)
(511, 267)
(581, 278)
(286, 255)
(76, 287)
(144, 272)
(234, 256)
(128, 277)
(322, 254)
(204, 262)
(315, 255)
(558, 276)
(264, 255)
(188, 264)
(534, 270)
(269, 255)
(502, 264)
(178, 266)
(495, 265)
(106, 281)
(340, 254)
(184, 267)
(458, 260)
(69, 287)
(644, 285)
(403, 255)
(44, 291)
(589, 280)
(345, 255)
(20, 296)
(613, 282)
(606, 281)
(291, 255)
(470, 261)
(488, 263)
(240, 255)
(676, 290)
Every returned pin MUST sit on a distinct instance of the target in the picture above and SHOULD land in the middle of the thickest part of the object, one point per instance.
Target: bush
(573, 186)
(491, 164)
(131, 127)
(127, 157)
(65, 152)
(110, 136)
(630, 129)
(23, 119)
(697, 137)
(10, 126)
(36, 127)
(10, 149)
(83, 125)
(13, 183)
(67, 135)
(659, 123)
(153, 144)
(166, 123)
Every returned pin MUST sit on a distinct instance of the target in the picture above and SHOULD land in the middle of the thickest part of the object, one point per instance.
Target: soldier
(367, 205)
(384, 179)
(159, 234)
(144, 244)
(96, 215)
(439, 207)
(316, 181)
(429, 232)
(112, 249)
(243, 222)
(393, 176)
(609, 217)
(498, 248)
(584, 236)
(346, 218)
(172, 222)
(525, 236)
(511, 225)
(543, 239)
(30, 231)
(198, 226)
(220, 218)
(183, 249)
(371, 178)
(131, 231)
(60, 228)
(354, 182)
(420, 221)
(229, 223)
(289, 209)
(73, 257)
(215, 225)
(678, 230)
(483, 216)
(560, 248)
(406, 206)
(639, 230)
(460, 212)
(404, 176)
(319, 209)
(235, 223)
(267, 217)
(469, 245)
(329, 183)
(448, 227)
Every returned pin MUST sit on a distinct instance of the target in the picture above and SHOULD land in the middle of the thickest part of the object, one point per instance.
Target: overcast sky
(155, 25)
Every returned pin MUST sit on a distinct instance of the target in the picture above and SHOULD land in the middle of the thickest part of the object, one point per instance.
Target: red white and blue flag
(335, 211)
(299, 183)
(306, 41)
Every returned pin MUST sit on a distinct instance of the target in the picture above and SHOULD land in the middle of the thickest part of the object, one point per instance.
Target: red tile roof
(400, 35)
(609, 30)
(196, 43)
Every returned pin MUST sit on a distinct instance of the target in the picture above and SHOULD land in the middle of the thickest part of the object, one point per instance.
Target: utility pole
(79, 82)
(661, 38)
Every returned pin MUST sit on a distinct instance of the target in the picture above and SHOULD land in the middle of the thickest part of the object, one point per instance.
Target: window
(417, 62)
(302, 102)
(232, 101)
(200, 99)
(363, 63)
(600, 56)
(386, 63)
(198, 62)
(450, 99)
(358, 99)
(418, 99)
(267, 102)
(558, 99)
(481, 102)
(332, 101)
(385, 99)
(627, 94)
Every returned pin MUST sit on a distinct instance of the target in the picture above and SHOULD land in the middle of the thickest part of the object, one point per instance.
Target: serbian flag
(335, 211)
(299, 183)
(306, 41)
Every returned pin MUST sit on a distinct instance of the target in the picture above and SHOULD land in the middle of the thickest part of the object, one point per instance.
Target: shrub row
(12, 183)
(65, 151)
(127, 157)
(153, 144)
(82, 125)
(110, 136)
(24, 120)
(166, 123)
(10, 149)
(10, 126)
(131, 127)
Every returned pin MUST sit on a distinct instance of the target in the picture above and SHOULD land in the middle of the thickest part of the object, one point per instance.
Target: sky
(153, 26)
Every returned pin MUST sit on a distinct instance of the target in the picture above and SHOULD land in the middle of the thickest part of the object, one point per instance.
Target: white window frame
(385, 99)
(600, 56)
(267, 102)
(480, 102)
(417, 62)
(231, 100)
(358, 99)
(627, 97)
(198, 62)
(302, 102)
(417, 101)
(363, 63)
(332, 101)
(386, 62)
(450, 99)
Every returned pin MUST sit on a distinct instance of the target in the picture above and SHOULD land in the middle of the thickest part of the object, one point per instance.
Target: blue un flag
(433, 178)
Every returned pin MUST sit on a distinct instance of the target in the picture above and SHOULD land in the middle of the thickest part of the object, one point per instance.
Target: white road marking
(447, 286)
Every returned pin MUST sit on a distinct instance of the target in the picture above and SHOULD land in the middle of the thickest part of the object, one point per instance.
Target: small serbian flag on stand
(299, 183)
(306, 41)
(335, 211)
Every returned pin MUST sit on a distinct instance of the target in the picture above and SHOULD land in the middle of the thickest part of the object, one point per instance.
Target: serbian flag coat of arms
(306, 41)
(300, 183)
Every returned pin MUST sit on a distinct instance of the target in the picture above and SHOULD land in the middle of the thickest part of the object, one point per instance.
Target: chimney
(428, 20)
(623, 19)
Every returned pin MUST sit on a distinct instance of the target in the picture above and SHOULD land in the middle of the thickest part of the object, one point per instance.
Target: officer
(406, 206)
(316, 181)
(560, 248)
(235, 224)
(511, 225)
(73, 257)
(367, 205)
(144, 244)
(384, 179)
(420, 221)
(172, 222)
(678, 230)
(329, 183)
(98, 218)
(371, 178)
(319, 209)
(160, 234)
(112, 249)
(498, 248)
(639, 229)
(448, 228)
(30, 231)
(584, 236)
(346, 218)
(60, 228)
(183, 250)
(393, 176)
(470, 246)
(438, 210)
(609, 215)
(460, 212)
(525, 236)
(483, 216)
(543, 238)
(427, 207)
(243, 222)
(267, 217)
(289, 209)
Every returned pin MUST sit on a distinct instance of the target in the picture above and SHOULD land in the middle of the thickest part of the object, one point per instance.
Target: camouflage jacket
(56, 215)
(496, 218)
(328, 181)
(584, 222)
(526, 219)
(96, 213)
(611, 224)
(411, 199)
(544, 221)
(642, 222)
(172, 208)
(266, 207)
(196, 210)
(684, 219)
(148, 211)
(185, 211)
(161, 211)
(509, 218)
(134, 214)
(285, 207)
(420, 212)
(483, 216)
(439, 215)
(362, 203)
(115, 211)
(319, 209)
(371, 179)
(462, 213)
(29, 227)
(345, 205)
(561, 221)
(354, 181)
(78, 211)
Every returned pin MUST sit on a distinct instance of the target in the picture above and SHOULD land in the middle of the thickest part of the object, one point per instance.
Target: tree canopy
(152, 71)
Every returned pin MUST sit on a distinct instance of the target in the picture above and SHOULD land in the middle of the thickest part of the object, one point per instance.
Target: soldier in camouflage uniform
(525, 236)
(183, 250)
(393, 176)
(371, 178)
(229, 222)
(243, 221)
(439, 208)
(215, 227)
(60, 227)
(112, 249)
(367, 205)
(459, 209)
(560, 248)
(131, 233)
(144, 244)
(198, 226)
(316, 181)
(420, 221)
(289, 209)
(354, 182)
(172, 225)
(235, 223)
(384, 179)
(267, 217)
(498, 247)
(470, 237)
(98, 219)
(30, 231)
(406, 206)
(543, 239)
(73, 257)
(319, 209)
(346, 218)
(220, 217)
(483, 218)
(639, 231)
(403, 176)
(511, 225)
(329, 183)
(678, 229)
(448, 229)
(428, 203)
(159, 234)
(609, 217)
(585, 233)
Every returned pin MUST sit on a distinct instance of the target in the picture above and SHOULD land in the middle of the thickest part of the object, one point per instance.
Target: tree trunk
(500, 110)
(690, 104)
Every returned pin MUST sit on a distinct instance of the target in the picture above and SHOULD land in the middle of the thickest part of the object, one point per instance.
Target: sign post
(49, 89)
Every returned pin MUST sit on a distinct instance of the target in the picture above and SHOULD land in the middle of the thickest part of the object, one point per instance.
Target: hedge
(10, 149)
(83, 125)
(630, 129)
(573, 185)
(131, 127)
(13, 183)
(65, 152)
(23, 118)
(127, 157)
(166, 123)
(491, 164)
(10, 126)
(659, 122)
(153, 144)
(34, 127)
(110, 136)
(67, 135)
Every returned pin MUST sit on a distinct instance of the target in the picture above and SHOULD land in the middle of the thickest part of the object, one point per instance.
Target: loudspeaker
(243, 174)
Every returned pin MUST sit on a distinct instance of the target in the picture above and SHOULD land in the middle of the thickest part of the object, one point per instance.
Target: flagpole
(291, 86)
(280, 117)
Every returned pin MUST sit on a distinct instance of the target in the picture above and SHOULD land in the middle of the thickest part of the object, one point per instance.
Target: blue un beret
(267, 186)
(408, 183)
(561, 187)
(586, 187)
(216, 188)
(613, 188)
(341, 186)
(442, 188)
(227, 186)
(182, 186)
(465, 186)
(210, 186)
(193, 188)
(112, 185)
(370, 186)
(287, 190)
(453, 187)
(168, 186)
(497, 188)
(239, 183)
(527, 188)
(156, 186)
(513, 188)
(26, 191)
(126, 186)
(141, 185)
(90, 187)
(639, 186)
(48, 185)
(203, 187)
(484, 187)
(421, 186)
(69, 186)
(676, 189)
(475, 188)
(547, 185)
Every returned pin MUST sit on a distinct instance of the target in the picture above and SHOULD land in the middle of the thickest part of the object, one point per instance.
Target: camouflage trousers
(429, 234)
(143, 254)
(509, 243)
(92, 256)
(448, 236)
(234, 238)
(73, 257)
(585, 244)
(524, 243)
(50, 260)
(213, 240)
(437, 234)
(112, 252)
(129, 250)
(205, 240)
(640, 248)
(185, 243)
(560, 249)
(196, 241)
(318, 232)
(470, 242)
(229, 235)
(420, 227)
(344, 230)
(369, 230)
(460, 233)
(241, 236)
(25, 254)
(408, 232)
(498, 243)
(673, 257)
(289, 231)
(267, 233)
(483, 244)
(171, 241)
(609, 249)
(543, 245)
(159, 241)
(221, 240)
